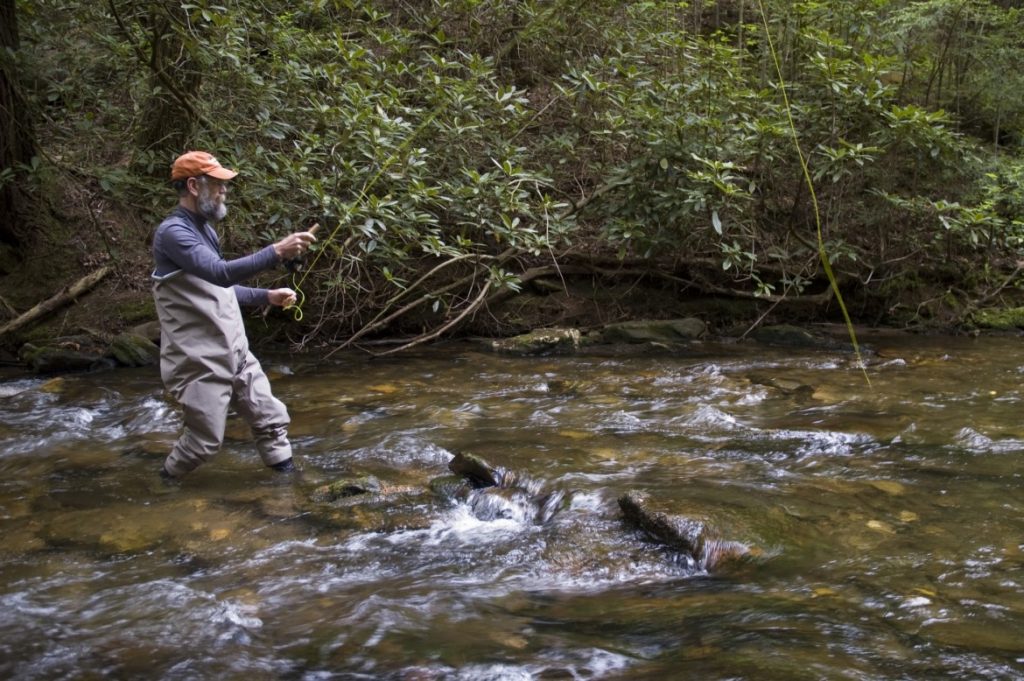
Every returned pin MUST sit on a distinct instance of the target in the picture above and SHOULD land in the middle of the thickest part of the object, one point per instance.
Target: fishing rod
(822, 252)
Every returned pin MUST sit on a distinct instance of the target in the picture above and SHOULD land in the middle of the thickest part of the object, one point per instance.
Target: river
(886, 521)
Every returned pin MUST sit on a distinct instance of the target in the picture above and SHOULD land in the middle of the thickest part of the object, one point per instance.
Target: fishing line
(822, 253)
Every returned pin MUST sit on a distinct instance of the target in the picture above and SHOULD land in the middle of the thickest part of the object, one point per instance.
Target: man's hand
(294, 245)
(281, 297)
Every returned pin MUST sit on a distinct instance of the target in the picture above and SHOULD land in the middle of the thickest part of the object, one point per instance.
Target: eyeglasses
(214, 182)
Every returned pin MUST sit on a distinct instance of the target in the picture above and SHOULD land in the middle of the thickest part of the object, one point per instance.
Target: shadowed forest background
(485, 166)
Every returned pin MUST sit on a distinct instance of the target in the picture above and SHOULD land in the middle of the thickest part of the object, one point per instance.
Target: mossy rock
(450, 487)
(49, 359)
(133, 350)
(540, 341)
(8, 259)
(351, 487)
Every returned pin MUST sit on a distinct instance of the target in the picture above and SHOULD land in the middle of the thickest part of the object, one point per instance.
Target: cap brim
(222, 173)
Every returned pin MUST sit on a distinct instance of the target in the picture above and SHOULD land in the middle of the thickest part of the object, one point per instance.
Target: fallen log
(63, 297)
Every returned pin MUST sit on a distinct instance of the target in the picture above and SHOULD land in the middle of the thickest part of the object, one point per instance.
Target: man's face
(211, 197)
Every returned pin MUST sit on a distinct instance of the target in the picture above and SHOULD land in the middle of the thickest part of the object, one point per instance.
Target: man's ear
(192, 184)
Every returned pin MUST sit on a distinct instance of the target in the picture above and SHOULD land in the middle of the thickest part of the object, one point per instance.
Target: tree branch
(63, 297)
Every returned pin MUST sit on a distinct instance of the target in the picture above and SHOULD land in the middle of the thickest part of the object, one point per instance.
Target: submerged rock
(366, 504)
(450, 487)
(564, 388)
(691, 536)
(786, 386)
(346, 488)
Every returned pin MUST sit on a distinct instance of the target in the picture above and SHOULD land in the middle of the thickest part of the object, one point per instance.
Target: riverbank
(120, 306)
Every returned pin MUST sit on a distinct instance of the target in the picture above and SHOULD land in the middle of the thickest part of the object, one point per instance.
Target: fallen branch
(473, 307)
(63, 297)
(11, 312)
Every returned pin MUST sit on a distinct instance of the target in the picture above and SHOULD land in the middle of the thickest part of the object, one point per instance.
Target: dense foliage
(454, 149)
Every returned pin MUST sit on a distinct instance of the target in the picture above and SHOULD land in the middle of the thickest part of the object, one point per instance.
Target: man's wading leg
(205, 408)
(266, 415)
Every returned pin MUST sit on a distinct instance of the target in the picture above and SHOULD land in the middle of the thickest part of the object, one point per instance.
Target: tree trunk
(166, 124)
(17, 142)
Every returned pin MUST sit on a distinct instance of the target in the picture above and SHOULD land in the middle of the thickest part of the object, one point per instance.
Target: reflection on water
(890, 520)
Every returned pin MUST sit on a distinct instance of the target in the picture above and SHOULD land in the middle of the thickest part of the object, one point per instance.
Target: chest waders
(206, 365)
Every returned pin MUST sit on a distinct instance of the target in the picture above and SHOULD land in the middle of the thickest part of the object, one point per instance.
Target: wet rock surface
(691, 536)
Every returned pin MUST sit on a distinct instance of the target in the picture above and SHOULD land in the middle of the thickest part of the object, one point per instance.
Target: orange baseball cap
(196, 163)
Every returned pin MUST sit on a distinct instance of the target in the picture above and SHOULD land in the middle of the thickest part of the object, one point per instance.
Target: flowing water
(887, 521)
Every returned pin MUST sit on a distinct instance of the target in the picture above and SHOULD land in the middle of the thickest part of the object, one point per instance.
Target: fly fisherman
(205, 361)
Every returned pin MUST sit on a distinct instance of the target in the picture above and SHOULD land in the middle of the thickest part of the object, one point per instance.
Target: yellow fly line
(822, 253)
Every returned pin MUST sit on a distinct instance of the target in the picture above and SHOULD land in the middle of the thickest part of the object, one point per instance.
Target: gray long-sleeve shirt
(184, 241)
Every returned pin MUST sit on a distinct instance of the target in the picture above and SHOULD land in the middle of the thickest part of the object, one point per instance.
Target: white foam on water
(708, 416)
(827, 442)
(460, 527)
(403, 450)
(495, 672)
(16, 387)
(981, 443)
(238, 614)
(592, 663)
(624, 421)
(543, 417)
(589, 501)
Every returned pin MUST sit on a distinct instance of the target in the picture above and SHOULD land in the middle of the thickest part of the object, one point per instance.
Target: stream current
(887, 521)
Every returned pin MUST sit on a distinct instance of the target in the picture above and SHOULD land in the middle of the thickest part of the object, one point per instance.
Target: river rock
(476, 471)
(786, 386)
(149, 330)
(368, 504)
(654, 331)
(500, 494)
(450, 487)
(538, 342)
(133, 350)
(62, 358)
(346, 488)
(688, 535)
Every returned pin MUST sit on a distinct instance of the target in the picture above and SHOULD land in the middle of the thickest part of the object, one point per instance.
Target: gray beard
(210, 209)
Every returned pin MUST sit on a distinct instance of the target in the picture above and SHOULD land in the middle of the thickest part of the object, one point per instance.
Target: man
(205, 361)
